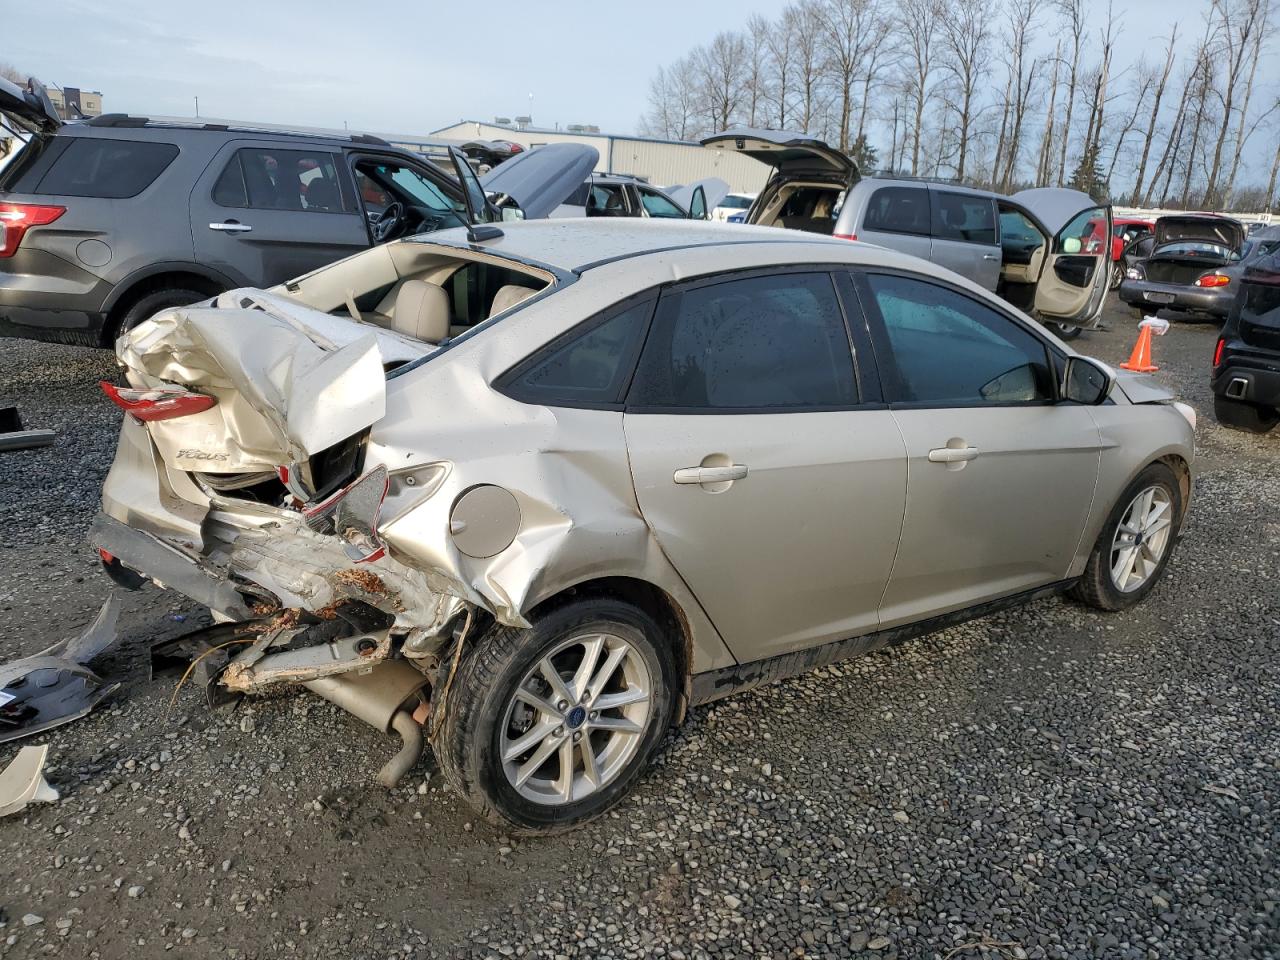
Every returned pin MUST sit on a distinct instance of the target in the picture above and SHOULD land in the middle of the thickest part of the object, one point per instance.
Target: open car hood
(1054, 207)
(1220, 230)
(30, 109)
(785, 152)
(540, 180)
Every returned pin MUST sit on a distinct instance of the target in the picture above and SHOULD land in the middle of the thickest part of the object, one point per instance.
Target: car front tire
(546, 728)
(1134, 547)
(1244, 416)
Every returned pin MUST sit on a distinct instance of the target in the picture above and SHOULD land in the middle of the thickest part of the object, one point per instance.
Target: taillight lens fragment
(148, 405)
(17, 218)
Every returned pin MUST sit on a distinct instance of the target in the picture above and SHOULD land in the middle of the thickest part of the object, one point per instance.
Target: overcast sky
(403, 67)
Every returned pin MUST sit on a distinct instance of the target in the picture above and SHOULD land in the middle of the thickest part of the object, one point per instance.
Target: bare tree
(881, 52)
(1073, 16)
(720, 73)
(1169, 56)
(809, 36)
(1239, 22)
(1022, 70)
(1275, 172)
(1045, 163)
(966, 31)
(756, 70)
(1100, 79)
(11, 73)
(1144, 80)
(1202, 84)
(673, 103)
(1261, 36)
(779, 85)
(848, 36)
(919, 22)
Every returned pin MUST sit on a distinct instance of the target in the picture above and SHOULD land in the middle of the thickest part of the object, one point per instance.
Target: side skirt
(715, 684)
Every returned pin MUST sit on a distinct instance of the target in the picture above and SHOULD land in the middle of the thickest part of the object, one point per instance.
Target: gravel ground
(1047, 782)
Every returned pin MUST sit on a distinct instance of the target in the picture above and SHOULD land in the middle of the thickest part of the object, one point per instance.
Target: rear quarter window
(109, 169)
(898, 210)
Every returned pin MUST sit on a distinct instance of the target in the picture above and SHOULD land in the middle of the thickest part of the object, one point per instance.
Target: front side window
(606, 200)
(268, 179)
(768, 342)
(590, 366)
(951, 350)
(898, 210)
(958, 216)
(656, 205)
(110, 169)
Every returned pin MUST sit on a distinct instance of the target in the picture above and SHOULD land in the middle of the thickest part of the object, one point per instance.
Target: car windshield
(735, 203)
(424, 192)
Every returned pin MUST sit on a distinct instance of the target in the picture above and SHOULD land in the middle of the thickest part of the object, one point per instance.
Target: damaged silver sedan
(533, 493)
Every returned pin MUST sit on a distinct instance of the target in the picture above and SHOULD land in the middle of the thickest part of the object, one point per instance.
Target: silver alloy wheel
(576, 719)
(1141, 538)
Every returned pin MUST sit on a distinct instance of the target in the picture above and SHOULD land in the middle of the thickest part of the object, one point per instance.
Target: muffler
(383, 697)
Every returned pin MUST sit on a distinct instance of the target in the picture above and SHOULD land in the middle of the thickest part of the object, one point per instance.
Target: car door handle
(953, 454)
(231, 226)
(989, 256)
(734, 471)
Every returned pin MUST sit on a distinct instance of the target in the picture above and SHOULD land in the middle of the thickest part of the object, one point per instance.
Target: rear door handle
(989, 256)
(231, 226)
(734, 471)
(953, 454)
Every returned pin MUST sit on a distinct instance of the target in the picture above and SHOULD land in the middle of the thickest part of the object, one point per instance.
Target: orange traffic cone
(1140, 359)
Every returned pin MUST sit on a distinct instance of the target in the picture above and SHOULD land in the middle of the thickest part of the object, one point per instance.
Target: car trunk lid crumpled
(290, 386)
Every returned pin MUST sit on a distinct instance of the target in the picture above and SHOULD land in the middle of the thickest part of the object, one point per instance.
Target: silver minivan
(1028, 248)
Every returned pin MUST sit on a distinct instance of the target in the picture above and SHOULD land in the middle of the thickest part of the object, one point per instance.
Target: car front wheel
(548, 727)
(1135, 544)
(1117, 276)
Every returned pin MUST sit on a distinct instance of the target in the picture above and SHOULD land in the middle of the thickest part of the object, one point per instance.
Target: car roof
(110, 123)
(575, 245)
(870, 182)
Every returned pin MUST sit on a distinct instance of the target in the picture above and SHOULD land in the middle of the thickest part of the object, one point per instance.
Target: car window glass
(898, 210)
(949, 349)
(110, 169)
(606, 200)
(1075, 236)
(761, 342)
(269, 179)
(593, 366)
(958, 216)
(656, 205)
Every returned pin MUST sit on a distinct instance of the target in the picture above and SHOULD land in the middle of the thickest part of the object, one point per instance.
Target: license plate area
(1155, 297)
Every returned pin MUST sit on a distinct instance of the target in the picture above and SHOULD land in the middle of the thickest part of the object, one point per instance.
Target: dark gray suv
(107, 221)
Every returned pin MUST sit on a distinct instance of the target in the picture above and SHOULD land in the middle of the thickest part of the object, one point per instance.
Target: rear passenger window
(109, 169)
(772, 342)
(898, 210)
(302, 180)
(951, 350)
(590, 366)
(969, 219)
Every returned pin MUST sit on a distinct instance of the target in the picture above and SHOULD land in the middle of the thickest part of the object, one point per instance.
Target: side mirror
(698, 204)
(1086, 381)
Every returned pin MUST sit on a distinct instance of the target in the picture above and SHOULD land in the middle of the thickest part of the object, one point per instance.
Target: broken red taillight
(148, 405)
(17, 218)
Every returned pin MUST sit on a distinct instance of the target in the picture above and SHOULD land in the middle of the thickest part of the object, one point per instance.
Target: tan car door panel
(775, 492)
(1007, 519)
(1073, 284)
(797, 549)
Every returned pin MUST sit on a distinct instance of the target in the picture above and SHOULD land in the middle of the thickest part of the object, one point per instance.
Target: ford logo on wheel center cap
(575, 717)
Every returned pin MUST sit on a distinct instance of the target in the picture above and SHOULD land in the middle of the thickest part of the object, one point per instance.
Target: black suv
(107, 221)
(1246, 361)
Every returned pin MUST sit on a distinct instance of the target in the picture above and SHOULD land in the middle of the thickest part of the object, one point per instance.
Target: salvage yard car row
(533, 489)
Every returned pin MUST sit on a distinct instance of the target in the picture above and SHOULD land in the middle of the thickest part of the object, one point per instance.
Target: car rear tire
(1117, 276)
(524, 737)
(149, 304)
(1136, 542)
(1239, 415)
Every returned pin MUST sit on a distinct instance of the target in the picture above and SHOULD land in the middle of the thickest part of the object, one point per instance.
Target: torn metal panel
(22, 781)
(54, 687)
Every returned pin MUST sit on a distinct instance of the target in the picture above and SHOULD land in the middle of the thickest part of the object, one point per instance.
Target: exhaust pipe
(381, 698)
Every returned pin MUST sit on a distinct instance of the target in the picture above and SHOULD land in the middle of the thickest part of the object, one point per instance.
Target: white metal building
(661, 162)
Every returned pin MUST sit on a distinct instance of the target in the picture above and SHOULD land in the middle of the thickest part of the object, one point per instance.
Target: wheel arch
(159, 276)
(1182, 470)
(654, 601)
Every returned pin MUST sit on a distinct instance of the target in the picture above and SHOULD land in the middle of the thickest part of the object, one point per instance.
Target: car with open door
(104, 222)
(1194, 267)
(621, 489)
(622, 195)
